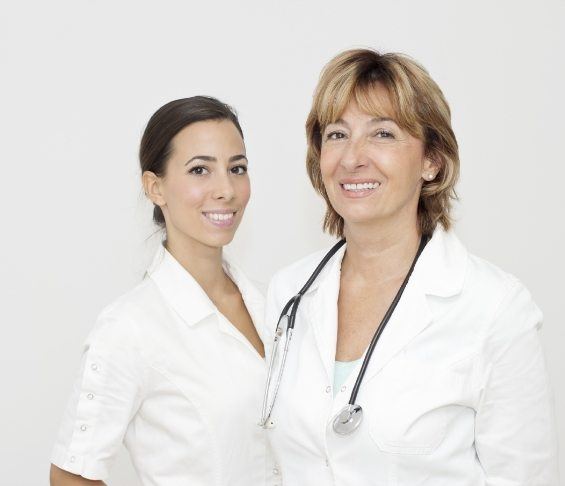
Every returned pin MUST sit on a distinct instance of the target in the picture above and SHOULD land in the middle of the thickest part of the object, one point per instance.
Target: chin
(217, 241)
(360, 217)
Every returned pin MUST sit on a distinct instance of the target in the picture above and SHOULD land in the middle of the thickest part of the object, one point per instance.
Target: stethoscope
(350, 416)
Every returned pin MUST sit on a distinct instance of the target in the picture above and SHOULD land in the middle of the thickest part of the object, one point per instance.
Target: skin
(206, 172)
(380, 224)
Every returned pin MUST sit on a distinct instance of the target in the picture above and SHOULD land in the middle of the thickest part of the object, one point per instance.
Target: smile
(359, 189)
(220, 218)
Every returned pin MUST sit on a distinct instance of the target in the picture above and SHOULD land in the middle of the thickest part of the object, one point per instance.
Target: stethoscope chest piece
(348, 419)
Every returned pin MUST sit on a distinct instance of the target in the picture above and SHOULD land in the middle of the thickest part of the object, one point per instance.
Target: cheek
(401, 166)
(188, 193)
(328, 162)
(243, 190)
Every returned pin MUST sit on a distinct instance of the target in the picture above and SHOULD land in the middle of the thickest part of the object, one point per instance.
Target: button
(72, 459)
(275, 470)
(94, 366)
(328, 389)
(90, 396)
(327, 462)
(343, 388)
(83, 427)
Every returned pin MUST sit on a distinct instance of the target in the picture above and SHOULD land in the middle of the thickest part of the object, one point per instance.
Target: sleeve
(105, 397)
(515, 432)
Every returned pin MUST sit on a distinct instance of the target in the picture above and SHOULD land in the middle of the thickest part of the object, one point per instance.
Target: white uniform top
(166, 373)
(456, 392)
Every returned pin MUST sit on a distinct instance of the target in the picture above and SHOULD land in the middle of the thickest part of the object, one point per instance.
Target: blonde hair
(419, 108)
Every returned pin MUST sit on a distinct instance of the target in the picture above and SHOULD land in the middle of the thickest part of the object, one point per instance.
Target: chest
(208, 366)
(361, 309)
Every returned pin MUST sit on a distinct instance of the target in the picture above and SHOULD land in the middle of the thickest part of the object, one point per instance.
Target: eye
(239, 170)
(199, 170)
(382, 133)
(335, 135)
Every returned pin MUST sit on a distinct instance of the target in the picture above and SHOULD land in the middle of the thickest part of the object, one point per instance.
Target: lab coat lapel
(321, 309)
(411, 316)
(439, 272)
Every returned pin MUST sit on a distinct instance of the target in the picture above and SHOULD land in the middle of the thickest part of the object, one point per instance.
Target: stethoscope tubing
(293, 304)
(423, 241)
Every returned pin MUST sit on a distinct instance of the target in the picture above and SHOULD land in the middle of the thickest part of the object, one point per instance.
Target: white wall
(80, 79)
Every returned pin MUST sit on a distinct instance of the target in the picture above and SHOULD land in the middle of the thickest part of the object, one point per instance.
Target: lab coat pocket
(409, 405)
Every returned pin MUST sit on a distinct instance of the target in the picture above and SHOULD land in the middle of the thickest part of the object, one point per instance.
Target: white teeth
(219, 216)
(360, 187)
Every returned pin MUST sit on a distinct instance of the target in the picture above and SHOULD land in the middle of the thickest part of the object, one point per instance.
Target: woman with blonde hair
(411, 360)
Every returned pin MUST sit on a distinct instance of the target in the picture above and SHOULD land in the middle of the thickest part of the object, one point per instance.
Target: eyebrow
(377, 119)
(209, 158)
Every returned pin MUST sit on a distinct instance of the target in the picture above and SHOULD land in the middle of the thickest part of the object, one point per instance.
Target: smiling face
(372, 169)
(205, 189)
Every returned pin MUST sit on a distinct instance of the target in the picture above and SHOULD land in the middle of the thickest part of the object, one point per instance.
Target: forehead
(372, 100)
(208, 136)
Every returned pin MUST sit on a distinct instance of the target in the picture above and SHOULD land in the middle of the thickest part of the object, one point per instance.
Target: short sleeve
(515, 434)
(105, 397)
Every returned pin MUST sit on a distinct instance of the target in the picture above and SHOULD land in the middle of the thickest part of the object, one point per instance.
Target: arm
(58, 477)
(105, 398)
(515, 436)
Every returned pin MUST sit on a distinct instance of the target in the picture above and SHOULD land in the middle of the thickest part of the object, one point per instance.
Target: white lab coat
(456, 392)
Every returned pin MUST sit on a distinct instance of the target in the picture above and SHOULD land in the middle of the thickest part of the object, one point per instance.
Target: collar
(183, 293)
(440, 270)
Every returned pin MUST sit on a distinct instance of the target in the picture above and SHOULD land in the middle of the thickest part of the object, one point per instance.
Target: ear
(430, 167)
(153, 188)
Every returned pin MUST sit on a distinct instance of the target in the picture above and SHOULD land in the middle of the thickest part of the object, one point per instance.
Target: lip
(224, 223)
(361, 193)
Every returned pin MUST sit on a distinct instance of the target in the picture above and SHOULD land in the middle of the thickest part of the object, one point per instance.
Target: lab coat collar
(440, 271)
(187, 298)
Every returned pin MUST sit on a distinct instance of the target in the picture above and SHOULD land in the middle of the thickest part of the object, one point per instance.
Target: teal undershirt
(342, 370)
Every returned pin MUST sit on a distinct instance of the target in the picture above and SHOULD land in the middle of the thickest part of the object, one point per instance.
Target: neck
(380, 251)
(204, 263)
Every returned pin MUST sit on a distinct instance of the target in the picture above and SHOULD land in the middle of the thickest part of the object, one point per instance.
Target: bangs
(373, 97)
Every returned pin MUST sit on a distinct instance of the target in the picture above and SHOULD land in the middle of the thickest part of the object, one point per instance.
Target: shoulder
(451, 269)
(487, 279)
(119, 323)
(290, 279)
(508, 305)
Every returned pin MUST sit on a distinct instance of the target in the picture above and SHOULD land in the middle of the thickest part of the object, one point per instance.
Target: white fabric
(165, 372)
(456, 392)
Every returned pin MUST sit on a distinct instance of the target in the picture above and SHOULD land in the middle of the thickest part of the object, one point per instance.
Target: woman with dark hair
(174, 368)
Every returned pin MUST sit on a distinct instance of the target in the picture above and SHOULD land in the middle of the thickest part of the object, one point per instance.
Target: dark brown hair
(166, 122)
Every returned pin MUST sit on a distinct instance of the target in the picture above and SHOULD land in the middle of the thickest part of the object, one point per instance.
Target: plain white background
(81, 78)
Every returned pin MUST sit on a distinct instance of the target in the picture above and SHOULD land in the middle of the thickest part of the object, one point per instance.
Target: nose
(223, 188)
(353, 156)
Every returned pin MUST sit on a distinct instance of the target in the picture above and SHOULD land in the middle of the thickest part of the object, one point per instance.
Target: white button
(94, 366)
(83, 427)
(90, 396)
(72, 459)
(343, 388)
(328, 389)
(275, 471)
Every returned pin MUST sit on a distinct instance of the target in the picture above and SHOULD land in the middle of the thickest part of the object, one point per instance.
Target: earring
(430, 177)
